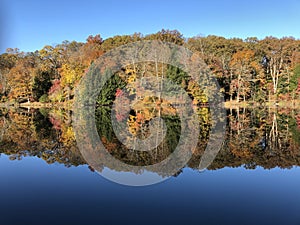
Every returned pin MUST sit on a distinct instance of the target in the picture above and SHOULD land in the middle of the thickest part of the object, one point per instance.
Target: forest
(249, 71)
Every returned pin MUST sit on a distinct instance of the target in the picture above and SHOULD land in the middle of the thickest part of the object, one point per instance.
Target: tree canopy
(247, 70)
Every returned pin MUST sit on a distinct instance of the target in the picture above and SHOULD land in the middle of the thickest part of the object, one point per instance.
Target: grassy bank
(229, 104)
(271, 104)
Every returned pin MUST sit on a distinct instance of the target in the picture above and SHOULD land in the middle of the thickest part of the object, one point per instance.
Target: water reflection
(254, 137)
(42, 133)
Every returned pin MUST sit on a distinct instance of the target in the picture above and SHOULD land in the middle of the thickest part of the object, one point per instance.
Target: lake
(49, 178)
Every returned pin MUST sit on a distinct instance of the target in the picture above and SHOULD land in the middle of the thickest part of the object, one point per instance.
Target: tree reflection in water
(254, 137)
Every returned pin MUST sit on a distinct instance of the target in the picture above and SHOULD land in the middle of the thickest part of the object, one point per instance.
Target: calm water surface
(255, 179)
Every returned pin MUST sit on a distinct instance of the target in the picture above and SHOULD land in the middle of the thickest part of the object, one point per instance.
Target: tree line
(251, 70)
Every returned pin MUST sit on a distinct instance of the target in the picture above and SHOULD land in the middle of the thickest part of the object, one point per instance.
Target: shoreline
(295, 104)
(228, 104)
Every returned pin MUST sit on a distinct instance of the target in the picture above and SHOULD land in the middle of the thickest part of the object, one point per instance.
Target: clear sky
(31, 24)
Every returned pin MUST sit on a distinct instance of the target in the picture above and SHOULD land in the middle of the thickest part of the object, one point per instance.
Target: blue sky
(31, 24)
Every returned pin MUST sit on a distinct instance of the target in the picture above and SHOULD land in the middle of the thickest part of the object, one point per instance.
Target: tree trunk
(230, 91)
(238, 89)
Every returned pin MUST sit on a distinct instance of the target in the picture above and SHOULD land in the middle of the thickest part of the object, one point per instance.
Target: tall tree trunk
(238, 89)
(230, 91)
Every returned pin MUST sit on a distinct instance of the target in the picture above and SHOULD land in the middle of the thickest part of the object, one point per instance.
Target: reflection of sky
(33, 192)
(145, 177)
